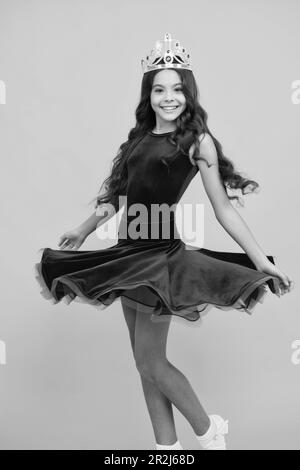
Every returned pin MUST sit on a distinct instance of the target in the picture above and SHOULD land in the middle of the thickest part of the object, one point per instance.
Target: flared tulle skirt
(163, 276)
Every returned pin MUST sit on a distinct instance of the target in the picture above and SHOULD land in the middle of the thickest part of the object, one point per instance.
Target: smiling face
(167, 93)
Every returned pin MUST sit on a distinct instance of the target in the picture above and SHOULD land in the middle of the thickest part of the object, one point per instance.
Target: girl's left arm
(226, 214)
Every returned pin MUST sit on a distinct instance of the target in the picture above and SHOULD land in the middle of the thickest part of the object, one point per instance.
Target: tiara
(167, 54)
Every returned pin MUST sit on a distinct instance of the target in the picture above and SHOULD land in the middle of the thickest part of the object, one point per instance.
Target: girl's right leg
(159, 406)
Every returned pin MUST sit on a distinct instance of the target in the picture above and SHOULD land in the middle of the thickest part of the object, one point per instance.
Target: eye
(176, 89)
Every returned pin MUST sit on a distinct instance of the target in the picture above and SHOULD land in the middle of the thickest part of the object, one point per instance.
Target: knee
(152, 370)
(144, 369)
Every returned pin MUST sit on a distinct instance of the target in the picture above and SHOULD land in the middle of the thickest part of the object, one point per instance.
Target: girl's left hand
(285, 283)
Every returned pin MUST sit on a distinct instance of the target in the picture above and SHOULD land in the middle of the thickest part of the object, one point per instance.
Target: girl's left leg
(152, 363)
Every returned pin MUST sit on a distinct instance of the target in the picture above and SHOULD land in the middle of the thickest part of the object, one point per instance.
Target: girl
(157, 277)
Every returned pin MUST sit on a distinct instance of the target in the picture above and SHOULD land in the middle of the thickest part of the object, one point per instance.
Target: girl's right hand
(72, 239)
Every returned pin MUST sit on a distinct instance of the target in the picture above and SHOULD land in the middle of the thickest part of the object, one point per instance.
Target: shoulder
(207, 150)
(208, 165)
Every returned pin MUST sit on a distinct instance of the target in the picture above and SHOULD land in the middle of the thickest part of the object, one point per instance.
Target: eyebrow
(157, 84)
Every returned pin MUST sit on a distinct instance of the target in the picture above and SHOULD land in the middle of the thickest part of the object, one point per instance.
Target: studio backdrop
(70, 78)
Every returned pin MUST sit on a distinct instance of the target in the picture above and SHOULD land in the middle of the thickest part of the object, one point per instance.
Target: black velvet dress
(150, 265)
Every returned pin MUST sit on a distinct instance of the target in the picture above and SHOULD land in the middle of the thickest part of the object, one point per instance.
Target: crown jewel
(167, 53)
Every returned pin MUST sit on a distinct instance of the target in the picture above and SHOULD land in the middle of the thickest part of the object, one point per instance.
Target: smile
(169, 108)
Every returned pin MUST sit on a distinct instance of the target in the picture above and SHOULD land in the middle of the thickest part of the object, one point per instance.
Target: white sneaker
(218, 441)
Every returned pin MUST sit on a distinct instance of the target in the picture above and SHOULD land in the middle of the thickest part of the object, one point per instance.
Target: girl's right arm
(94, 221)
(73, 239)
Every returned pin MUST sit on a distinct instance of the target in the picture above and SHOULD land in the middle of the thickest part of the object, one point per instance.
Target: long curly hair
(191, 124)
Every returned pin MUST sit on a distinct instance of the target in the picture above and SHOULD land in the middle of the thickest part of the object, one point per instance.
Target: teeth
(169, 107)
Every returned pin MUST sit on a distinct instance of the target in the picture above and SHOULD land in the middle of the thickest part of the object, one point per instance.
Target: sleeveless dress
(158, 271)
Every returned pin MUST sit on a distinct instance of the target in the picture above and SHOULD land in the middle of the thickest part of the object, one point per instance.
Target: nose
(168, 98)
